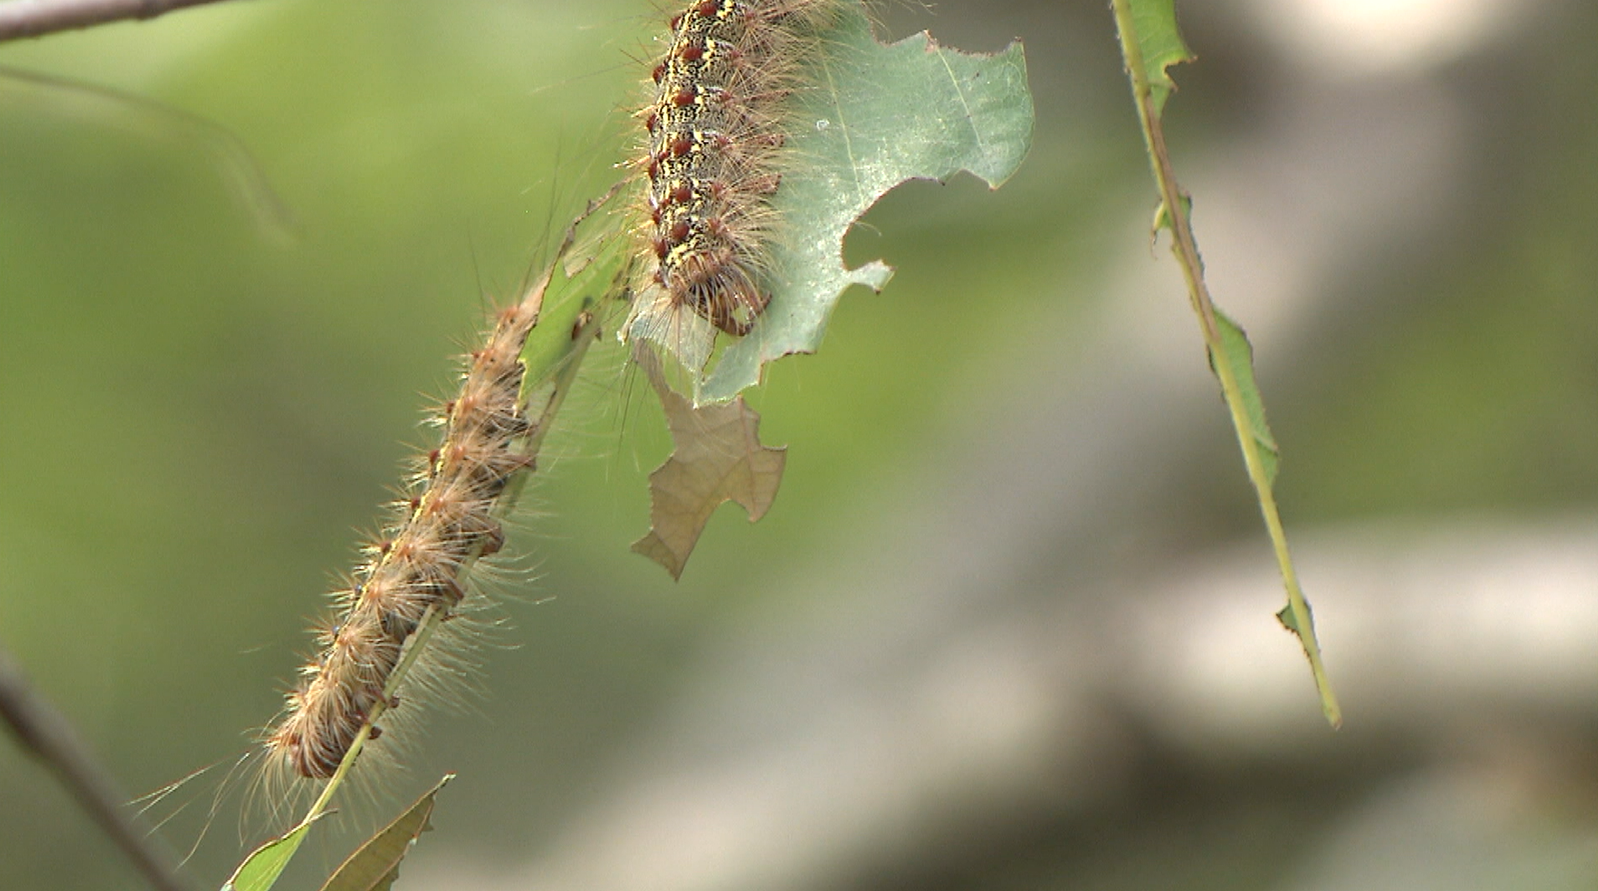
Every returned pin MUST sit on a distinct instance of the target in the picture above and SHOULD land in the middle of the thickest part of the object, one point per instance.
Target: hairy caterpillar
(445, 522)
(715, 127)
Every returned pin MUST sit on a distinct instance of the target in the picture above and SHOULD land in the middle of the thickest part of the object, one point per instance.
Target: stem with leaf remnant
(1223, 349)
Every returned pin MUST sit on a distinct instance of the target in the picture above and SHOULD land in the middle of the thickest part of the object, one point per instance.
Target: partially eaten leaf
(1161, 44)
(718, 457)
(1236, 352)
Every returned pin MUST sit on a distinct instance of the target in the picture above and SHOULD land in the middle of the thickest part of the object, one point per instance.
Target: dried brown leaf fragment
(718, 458)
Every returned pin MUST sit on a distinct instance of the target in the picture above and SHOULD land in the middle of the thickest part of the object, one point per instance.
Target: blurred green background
(1009, 622)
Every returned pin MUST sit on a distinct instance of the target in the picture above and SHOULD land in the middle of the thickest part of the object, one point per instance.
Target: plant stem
(1173, 202)
(41, 17)
(43, 730)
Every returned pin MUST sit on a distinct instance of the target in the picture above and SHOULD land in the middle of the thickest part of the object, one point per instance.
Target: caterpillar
(712, 152)
(444, 522)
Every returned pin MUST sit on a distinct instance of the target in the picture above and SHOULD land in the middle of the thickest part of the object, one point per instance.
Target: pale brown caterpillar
(715, 126)
(443, 524)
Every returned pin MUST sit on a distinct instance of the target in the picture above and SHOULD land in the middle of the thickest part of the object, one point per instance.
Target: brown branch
(33, 18)
(45, 732)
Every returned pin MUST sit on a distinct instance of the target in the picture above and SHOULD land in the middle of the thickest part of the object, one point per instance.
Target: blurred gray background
(1009, 624)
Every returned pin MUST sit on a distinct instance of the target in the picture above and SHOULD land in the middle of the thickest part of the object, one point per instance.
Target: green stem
(1186, 249)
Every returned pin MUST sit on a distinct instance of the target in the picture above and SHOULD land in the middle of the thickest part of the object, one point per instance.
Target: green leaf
(1238, 354)
(1298, 618)
(375, 865)
(1163, 220)
(873, 117)
(1290, 621)
(1161, 46)
(260, 870)
(586, 278)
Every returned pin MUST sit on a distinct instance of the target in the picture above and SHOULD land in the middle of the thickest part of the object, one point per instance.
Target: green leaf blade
(1238, 354)
(260, 870)
(1161, 45)
(375, 865)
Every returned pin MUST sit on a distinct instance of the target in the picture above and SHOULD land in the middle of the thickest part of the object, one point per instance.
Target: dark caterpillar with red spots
(715, 131)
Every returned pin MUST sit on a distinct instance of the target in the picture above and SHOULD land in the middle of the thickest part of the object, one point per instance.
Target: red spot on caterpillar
(493, 541)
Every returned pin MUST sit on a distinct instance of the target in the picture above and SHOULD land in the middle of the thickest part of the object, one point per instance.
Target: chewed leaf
(874, 117)
(375, 865)
(260, 869)
(1161, 44)
(582, 277)
(718, 457)
(1240, 356)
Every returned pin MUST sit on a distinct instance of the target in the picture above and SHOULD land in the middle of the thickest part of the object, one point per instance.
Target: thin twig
(46, 732)
(35, 18)
(1174, 201)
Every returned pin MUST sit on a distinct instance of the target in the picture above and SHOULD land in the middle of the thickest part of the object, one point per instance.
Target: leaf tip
(654, 548)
